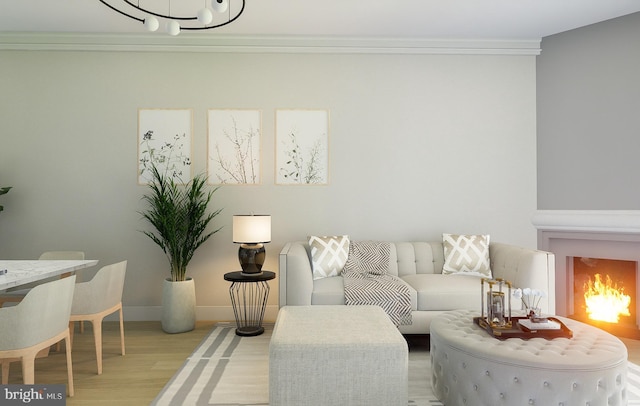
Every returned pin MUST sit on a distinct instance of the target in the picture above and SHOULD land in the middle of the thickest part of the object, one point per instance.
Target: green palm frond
(4, 190)
(179, 215)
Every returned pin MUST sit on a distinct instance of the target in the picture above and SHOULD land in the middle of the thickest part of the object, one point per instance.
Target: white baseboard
(203, 313)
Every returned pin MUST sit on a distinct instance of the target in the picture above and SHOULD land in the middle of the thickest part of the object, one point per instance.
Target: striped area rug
(228, 370)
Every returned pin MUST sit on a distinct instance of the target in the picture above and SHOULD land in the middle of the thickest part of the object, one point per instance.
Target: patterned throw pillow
(328, 255)
(466, 254)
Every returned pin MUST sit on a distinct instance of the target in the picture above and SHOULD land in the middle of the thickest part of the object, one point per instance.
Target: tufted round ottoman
(469, 367)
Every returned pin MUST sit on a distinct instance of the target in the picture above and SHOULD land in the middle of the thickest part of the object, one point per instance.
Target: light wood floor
(152, 357)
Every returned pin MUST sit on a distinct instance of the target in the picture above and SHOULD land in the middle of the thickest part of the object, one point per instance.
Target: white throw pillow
(466, 254)
(328, 255)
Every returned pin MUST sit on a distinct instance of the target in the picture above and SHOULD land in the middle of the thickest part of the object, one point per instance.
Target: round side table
(249, 295)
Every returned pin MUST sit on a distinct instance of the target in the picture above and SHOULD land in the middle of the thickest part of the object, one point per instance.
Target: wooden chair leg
(71, 331)
(69, 364)
(5, 372)
(121, 332)
(28, 369)
(97, 335)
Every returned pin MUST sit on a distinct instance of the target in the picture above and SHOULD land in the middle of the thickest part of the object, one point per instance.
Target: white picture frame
(164, 140)
(234, 146)
(302, 147)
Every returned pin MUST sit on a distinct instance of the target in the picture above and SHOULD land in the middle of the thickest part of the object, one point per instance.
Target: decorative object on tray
(496, 316)
(519, 330)
(544, 324)
(531, 302)
(496, 303)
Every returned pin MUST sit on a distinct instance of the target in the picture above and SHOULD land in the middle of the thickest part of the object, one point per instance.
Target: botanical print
(302, 147)
(164, 140)
(234, 146)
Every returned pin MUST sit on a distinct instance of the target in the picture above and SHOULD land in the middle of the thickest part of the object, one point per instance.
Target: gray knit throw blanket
(366, 281)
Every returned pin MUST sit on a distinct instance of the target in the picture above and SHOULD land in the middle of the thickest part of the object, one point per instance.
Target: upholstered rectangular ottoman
(337, 355)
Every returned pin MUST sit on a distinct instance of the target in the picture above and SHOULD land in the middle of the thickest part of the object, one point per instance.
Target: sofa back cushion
(410, 258)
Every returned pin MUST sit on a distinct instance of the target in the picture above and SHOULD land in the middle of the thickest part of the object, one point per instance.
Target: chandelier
(200, 20)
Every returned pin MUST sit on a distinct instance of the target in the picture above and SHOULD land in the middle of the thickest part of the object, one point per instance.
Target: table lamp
(251, 232)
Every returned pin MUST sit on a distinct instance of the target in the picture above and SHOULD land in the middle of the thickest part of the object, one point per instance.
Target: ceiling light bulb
(205, 16)
(173, 28)
(151, 23)
(220, 6)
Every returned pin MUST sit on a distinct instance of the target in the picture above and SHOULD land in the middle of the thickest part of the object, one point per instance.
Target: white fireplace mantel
(613, 221)
(611, 234)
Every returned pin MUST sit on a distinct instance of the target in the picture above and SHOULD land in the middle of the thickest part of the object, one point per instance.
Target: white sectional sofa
(419, 265)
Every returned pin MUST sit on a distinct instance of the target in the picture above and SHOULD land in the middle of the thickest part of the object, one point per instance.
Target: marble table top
(21, 272)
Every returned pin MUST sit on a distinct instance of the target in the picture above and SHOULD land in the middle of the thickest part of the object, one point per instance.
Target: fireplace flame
(604, 301)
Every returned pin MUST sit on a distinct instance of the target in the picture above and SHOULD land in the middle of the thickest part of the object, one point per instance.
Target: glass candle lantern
(496, 302)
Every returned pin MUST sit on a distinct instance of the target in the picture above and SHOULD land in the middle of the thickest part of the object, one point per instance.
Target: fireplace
(600, 248)
(605, 290)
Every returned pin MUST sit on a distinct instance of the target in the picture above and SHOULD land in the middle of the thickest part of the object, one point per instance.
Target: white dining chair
(17, 294)
(95, 299)
(29, 328)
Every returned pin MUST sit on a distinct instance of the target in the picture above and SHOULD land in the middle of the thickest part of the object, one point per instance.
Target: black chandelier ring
(204, 16)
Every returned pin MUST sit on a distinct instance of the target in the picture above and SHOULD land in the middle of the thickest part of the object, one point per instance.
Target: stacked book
(539, 324)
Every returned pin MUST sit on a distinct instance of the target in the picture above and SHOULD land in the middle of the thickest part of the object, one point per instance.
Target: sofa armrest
(526, 268)
(296, 278)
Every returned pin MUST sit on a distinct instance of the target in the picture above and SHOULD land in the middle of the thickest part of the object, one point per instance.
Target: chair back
(42, 314)
(69, 255)
(102, 292)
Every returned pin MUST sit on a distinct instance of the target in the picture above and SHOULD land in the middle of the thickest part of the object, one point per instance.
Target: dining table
(15, 273)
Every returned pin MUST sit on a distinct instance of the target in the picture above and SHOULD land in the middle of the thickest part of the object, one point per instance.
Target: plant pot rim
(168, 279)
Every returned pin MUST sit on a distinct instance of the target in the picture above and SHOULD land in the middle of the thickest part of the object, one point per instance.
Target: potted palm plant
(179, 214)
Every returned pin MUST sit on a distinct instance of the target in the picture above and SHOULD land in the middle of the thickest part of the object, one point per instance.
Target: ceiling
(407, 19)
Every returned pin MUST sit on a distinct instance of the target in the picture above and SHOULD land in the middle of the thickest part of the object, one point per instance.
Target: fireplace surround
(589, 234)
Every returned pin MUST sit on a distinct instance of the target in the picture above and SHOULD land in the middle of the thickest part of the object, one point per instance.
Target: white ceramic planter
(178, 306)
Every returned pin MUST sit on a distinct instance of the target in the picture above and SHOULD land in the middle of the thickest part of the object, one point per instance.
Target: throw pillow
(328, 255)
(466, 254)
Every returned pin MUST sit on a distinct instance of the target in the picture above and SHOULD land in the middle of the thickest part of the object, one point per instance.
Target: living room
(469, 136)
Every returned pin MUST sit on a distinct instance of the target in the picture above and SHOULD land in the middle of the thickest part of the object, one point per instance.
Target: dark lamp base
(249, 331)
(251, 258)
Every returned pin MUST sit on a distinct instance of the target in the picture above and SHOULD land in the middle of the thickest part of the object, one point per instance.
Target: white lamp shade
(220, 6)
(151, 23)
(205, 16)
(173, 28)
(251, 229)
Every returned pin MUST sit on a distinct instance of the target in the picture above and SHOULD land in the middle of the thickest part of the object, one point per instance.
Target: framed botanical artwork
(302, 147)
(164, 140)
(234, 146)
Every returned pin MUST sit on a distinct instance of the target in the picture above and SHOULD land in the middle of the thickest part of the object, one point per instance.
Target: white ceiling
(424, 19)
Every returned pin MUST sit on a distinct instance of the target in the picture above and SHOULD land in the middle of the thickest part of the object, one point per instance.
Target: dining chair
(95, 299)
(29, 328)
(17, 294)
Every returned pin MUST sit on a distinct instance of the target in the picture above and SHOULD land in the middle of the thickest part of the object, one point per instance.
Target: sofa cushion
(445, 292)
(328, 291)
(328, 255)
(467, 254)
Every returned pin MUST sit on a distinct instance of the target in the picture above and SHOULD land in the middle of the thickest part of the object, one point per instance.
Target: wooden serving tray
(518, 331)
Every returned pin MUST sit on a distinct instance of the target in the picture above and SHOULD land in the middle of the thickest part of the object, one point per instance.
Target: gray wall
(589, 117)
(419, 145)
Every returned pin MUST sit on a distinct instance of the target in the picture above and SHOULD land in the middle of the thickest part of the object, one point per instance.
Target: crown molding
(261, 44)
